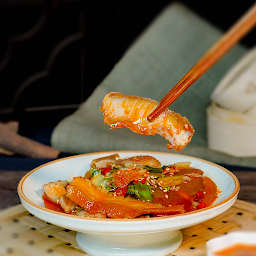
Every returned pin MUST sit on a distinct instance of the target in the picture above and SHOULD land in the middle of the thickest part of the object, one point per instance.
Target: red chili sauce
(50, 205)
(238, 249)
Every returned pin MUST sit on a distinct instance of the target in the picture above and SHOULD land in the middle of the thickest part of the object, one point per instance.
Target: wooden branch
(10, 141)
(13, 126)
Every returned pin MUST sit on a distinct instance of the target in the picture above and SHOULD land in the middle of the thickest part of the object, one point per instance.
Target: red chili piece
(202, 205)
(141, 180)
(104, 171)
(200, 195)
(121, 191)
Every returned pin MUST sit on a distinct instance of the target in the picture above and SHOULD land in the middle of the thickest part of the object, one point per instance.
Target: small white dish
(237, 90)
(224, 125)
(144, 236)
(219, 243)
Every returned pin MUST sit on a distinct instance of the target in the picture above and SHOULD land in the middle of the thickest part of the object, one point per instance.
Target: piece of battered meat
(131, 111)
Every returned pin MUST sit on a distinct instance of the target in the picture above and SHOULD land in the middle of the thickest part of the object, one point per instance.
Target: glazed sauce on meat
(131, 111)
(201, 190)
(239, 249)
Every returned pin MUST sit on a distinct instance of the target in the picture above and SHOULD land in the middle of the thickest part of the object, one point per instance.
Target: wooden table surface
(10, 179)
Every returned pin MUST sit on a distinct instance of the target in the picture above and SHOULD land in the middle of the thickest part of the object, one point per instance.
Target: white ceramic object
(147, 236)
(230, 239)
(231, 132)
(237, 90)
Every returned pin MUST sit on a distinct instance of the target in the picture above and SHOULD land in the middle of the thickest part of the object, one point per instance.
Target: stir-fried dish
(131, 111)
(131, 187)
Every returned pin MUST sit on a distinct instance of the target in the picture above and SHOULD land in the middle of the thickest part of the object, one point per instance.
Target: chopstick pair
(223, 45)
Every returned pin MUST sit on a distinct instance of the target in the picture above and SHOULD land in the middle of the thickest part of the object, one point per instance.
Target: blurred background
(53, 53)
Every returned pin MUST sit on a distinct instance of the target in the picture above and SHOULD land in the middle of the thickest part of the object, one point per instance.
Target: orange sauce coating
(238, 249)
(131, 111)
(94, 200)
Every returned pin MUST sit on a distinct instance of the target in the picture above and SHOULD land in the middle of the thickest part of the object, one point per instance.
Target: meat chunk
(104, 162)
(139, 161)
(67, 204)
(55, 190)
(131, 111)
(94, 201)
(84, 213)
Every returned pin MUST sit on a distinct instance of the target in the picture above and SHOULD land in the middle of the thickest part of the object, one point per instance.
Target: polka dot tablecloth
(22, 234)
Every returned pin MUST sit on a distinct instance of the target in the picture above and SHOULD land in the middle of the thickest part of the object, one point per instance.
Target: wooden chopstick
(224, 44)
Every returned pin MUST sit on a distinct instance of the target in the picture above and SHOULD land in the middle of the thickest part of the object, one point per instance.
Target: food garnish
(132, 187)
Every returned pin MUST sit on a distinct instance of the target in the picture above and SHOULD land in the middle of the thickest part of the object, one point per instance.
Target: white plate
(150, 236)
